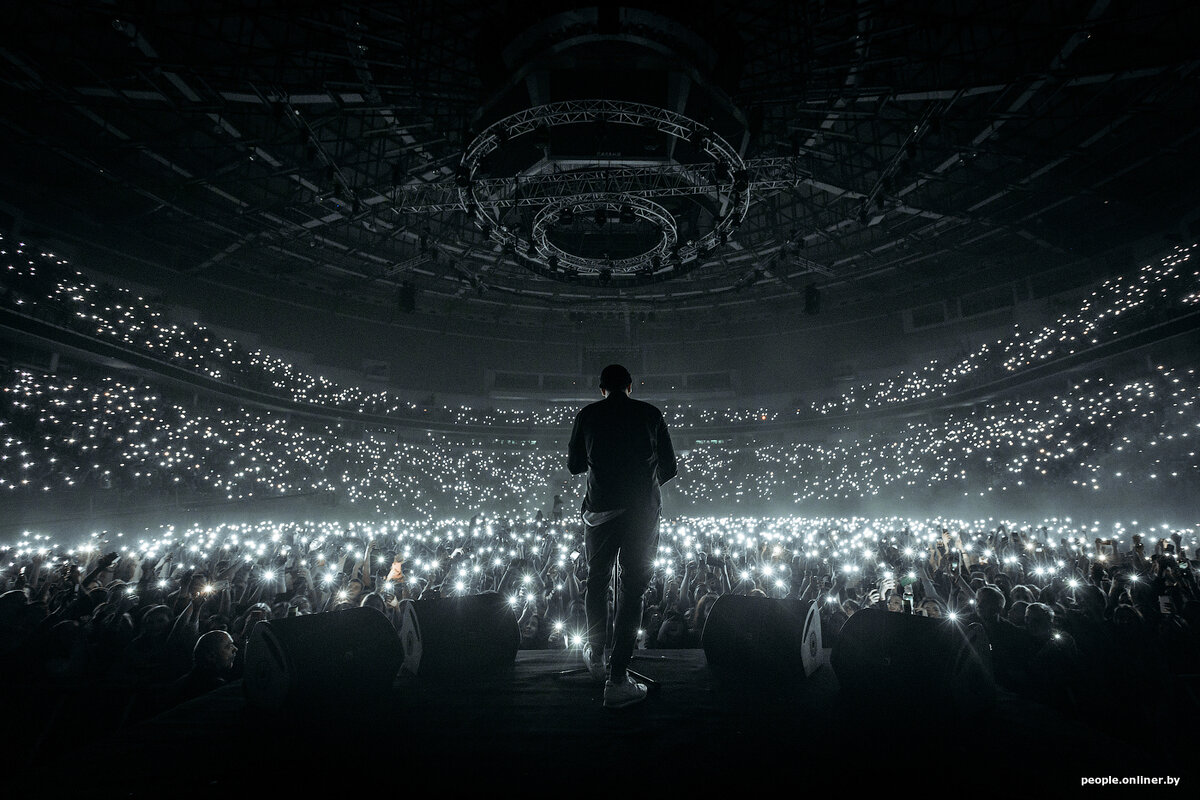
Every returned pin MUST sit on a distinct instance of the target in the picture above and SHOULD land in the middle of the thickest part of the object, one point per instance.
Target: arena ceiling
(549, 155)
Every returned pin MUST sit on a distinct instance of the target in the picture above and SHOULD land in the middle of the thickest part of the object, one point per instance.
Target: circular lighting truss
(668, 258)
(551, 260)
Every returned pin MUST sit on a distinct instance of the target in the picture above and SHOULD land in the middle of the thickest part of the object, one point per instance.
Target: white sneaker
(619, 695)
(595, 663)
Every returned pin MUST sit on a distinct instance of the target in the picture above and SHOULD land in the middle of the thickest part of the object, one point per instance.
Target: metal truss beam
(659, 181)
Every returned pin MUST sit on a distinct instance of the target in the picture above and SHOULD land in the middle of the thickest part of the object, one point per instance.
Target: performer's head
(615, 378)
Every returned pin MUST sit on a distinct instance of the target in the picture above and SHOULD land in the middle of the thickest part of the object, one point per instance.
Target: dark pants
(631, 540)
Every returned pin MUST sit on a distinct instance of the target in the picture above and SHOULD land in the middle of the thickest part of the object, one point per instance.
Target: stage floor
(533, 730)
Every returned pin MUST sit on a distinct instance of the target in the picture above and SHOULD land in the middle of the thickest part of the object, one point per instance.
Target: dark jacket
(624, 447)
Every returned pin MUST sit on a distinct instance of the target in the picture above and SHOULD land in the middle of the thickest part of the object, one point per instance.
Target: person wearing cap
(624, 447)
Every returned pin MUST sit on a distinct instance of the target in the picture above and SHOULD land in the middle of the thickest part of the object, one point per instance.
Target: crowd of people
(137, 622)
(43, 285)
(88, 430)
(140, 623)
(61, 433)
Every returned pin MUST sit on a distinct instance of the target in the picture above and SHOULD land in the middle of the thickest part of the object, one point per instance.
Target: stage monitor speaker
(321, 659)
(454, 637)
(903, 663)
(762, 636)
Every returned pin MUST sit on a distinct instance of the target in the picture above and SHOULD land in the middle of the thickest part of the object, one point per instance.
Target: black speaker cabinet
(903, 663)
(323, 659)
(762, 636)
(453, 637)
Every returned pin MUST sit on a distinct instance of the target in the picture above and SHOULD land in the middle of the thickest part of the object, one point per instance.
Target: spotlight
(566, 216)
(406, 298)
(462, 176)
(627, 217)
(601, 216)
(812, 299)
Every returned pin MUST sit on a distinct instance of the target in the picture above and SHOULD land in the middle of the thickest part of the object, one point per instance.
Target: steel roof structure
(887, 148)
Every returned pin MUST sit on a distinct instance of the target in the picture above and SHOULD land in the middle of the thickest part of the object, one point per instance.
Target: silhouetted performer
(624, 447)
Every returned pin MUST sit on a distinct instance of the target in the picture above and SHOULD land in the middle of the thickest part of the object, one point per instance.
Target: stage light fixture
(812, 299)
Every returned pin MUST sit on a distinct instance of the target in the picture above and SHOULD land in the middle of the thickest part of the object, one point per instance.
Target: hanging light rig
(588, 194)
